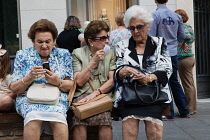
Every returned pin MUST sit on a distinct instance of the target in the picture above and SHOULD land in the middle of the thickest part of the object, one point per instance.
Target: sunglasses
(102, 38)
(138, 27)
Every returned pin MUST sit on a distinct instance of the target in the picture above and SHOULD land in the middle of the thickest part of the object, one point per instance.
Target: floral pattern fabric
(118, 35)
(60, 61)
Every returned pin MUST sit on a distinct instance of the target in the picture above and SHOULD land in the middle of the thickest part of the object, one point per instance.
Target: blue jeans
(177, 91)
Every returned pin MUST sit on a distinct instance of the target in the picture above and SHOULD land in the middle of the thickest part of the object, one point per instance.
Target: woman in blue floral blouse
(28, 71)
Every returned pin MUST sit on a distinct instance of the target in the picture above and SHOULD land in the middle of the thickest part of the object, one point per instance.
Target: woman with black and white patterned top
(143, 51)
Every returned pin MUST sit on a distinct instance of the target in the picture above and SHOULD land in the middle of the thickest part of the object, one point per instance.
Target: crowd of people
(142, 40)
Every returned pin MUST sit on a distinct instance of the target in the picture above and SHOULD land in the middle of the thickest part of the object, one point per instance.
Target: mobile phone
(46, 65)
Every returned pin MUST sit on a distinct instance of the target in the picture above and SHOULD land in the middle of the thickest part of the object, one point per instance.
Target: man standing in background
(169, 25)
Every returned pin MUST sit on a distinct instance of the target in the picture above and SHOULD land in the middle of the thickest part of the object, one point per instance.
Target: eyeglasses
(138, 27)
(102, 38)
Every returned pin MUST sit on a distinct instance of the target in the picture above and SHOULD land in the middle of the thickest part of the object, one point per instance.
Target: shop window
(9, 26)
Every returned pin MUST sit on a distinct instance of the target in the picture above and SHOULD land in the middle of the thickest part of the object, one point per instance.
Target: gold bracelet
(23, 82)
(60, 84)
(150, 78)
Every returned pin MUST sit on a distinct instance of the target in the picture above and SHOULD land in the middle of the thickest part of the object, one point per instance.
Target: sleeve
(120, 52)
(164, 66)
(190, 37)
(68, 65)
(153, 26)
(181, 31)
(113, 61)
(19, 67)
(76, 63)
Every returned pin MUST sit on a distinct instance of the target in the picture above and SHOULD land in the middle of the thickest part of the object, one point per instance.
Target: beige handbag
(43, 94)
(99, 104)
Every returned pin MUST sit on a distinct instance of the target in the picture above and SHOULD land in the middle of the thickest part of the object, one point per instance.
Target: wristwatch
(99, 90)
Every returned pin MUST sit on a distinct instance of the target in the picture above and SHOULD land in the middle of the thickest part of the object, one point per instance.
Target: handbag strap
(91, 84)
(73, 89)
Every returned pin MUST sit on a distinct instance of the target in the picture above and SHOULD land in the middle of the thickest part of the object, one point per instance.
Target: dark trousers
(177, 91)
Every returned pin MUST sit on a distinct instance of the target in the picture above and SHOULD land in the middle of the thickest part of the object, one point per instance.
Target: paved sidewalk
(195, 128)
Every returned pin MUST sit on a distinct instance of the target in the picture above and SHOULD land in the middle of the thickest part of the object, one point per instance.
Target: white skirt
(46, 117)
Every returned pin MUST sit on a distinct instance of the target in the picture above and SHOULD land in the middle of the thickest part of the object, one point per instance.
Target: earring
(91, 45)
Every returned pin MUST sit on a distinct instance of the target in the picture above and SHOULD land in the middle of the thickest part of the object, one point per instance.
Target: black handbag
(137, 94)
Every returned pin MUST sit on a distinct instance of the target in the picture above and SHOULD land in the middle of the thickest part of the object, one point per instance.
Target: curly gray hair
(137, 11)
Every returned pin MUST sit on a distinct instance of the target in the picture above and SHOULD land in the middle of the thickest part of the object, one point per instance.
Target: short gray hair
(137, 11)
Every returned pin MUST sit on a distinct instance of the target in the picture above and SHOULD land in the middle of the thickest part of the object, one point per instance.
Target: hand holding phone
(46, 65)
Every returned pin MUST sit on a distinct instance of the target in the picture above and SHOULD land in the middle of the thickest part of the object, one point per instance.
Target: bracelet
(60, 84)
(89, 69)
(23, 82)
(99, 90)
(150, 78)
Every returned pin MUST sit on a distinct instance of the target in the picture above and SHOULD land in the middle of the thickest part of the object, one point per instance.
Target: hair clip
(2, 51)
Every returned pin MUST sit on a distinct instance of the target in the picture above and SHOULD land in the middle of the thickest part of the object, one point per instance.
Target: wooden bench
(11, 128)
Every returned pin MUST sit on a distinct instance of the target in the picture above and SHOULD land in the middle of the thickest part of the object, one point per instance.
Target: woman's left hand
(142, 78)
(51, 77)
(89, 97)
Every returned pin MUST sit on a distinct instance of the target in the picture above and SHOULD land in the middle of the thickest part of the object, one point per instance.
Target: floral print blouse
(60, 61)
(118, 35)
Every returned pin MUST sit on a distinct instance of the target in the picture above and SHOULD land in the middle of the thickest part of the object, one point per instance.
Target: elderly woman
(92, 62)
(142, 51)
(28, 71)
(120, 33)
(71, 37)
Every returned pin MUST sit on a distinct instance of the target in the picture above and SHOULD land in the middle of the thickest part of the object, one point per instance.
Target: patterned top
(189, 39)
(59, 60)
(156, 60)
(4, 86)
(118, 35)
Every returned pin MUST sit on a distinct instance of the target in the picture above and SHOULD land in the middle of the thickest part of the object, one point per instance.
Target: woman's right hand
(36, 72)
(98, 56)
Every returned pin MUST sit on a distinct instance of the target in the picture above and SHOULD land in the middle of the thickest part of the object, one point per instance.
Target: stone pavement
(195, 128)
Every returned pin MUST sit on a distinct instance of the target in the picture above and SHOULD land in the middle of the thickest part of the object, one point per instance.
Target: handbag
(43, 94)
(99, 104)
(138, 94)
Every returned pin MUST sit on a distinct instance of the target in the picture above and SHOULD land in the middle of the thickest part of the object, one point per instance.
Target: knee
(7, 102)
(80, 131)
(105, 132)
(154, 133)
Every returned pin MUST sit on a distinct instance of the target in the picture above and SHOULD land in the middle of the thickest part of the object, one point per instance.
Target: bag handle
(157, 94)
(73, 89)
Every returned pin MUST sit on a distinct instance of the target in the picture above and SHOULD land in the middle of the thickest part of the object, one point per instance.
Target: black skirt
(154, 111)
